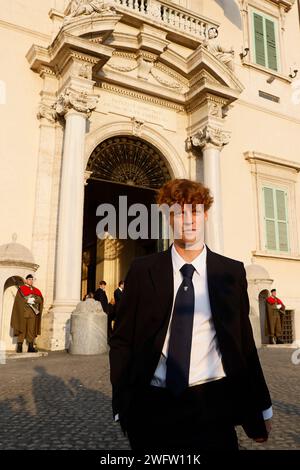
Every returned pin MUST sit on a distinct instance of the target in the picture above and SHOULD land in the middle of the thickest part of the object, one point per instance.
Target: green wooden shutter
(276, 221)
(260, 56)
(265, 41)
(282, 221)
(270, 223)
(271, 44)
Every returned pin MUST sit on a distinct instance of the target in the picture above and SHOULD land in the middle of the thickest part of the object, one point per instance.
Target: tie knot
(187, 270)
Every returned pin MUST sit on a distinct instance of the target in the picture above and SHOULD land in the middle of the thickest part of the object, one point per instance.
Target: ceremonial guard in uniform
(26, 314)
(274, 318)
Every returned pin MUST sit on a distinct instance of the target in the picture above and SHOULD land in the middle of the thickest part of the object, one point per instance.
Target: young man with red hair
(184, 366)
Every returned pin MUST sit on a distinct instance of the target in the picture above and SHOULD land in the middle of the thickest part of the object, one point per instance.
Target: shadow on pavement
(67, 416)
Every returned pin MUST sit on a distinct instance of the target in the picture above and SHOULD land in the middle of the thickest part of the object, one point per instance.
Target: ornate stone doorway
(119, 166)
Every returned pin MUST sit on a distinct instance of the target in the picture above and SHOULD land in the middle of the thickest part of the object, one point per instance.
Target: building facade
(101, 99)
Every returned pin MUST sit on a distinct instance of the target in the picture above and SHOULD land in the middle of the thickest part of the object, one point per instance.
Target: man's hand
(268, 424)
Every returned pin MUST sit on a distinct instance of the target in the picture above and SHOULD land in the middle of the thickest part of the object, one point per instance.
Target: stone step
(25, 355)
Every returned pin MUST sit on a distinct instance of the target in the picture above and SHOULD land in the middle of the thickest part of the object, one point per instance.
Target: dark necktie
(179, 353)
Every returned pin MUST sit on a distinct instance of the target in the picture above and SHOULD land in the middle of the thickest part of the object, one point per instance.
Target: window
(276, 212)
(276, 219)
(265, 39)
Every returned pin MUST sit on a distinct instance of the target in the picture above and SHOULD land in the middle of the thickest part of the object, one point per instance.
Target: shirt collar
(199, 262)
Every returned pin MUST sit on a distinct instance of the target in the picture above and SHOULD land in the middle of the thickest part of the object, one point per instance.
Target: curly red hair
(184, 191)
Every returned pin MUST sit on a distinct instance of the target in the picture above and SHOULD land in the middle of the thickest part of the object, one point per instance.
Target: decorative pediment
(94, 44)
(209, 74)
(146, 66)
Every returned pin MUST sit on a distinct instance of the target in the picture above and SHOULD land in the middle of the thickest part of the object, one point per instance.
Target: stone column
(211, 141)
(76, 107)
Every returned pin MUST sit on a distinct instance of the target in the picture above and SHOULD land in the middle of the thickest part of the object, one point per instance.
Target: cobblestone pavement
(63, 402)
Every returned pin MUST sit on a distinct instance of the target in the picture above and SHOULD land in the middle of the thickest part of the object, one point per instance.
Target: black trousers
(201, 419)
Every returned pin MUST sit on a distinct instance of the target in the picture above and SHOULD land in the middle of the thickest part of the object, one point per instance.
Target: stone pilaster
(41, 238)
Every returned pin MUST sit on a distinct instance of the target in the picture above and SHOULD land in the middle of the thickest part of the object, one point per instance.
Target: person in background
(118, 294)
(115, 307)
(274, 318)
(100, 296)
(26, 314)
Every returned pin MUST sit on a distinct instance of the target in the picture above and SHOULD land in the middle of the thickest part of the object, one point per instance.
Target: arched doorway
(119, 166)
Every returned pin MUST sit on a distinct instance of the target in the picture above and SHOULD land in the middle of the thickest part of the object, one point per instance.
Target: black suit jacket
(101, 296)
(142, 322)
(118, 295)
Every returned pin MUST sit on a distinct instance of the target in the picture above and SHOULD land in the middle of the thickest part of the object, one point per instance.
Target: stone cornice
(124, 40)
(46, 71)
(20, 264)
(144, 86)
(140, 96)
(64, 45)
(255, 157)
(100, 25)
(150, 42)
(287, 4)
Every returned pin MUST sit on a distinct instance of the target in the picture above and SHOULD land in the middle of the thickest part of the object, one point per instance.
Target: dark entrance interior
(120, 166)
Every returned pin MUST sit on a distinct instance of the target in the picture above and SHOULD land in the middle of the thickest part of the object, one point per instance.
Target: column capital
(47, 113)
(244, 5)
(209, 136)
(77, 100)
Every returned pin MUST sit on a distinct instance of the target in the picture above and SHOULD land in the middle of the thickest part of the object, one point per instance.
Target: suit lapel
(161, 274)
(215, 281)
(222, 292)
(162, 278)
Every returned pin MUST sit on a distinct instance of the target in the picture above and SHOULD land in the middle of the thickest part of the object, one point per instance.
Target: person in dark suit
(113, 307)
(118, 294)
(100, 296)
(184, 366)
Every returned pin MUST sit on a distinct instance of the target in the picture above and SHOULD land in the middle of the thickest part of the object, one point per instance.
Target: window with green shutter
(265, 41)
(276, 219)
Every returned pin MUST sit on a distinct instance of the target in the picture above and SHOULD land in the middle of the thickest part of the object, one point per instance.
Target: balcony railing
(170, 15)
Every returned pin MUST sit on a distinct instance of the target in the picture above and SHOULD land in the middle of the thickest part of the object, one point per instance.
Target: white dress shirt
(206, 362)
